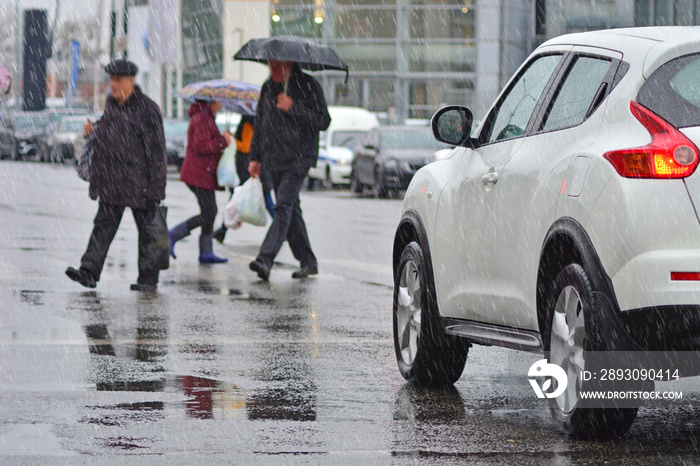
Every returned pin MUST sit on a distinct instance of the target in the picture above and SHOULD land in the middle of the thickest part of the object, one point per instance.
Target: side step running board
(498, 336)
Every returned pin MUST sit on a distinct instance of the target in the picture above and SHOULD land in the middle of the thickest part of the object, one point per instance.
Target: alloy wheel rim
(408, 312)
(567, 343)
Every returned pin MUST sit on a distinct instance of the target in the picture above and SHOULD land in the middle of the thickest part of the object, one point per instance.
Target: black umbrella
(308, 54)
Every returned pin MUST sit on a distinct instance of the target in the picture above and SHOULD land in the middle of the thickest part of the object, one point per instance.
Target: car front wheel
(426, 355)
(14, 151)
(574, 328)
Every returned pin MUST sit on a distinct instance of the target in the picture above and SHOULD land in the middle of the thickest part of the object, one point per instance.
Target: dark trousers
(287, 224)
(105, 228)
(207, 207)
(242, 161)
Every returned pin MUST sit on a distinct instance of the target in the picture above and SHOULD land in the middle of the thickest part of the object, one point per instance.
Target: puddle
(33, 297)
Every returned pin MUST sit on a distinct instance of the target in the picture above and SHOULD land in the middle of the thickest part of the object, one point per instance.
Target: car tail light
(685, 276)
(669, 154)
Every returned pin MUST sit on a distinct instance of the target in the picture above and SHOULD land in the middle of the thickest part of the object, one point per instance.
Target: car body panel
(377, 164)
(335, 161)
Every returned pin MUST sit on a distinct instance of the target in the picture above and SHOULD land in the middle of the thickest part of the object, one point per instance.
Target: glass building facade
(406, 57)
(667, 12)
(202, 40)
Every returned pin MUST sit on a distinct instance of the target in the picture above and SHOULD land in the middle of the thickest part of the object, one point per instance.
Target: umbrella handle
(286, 86)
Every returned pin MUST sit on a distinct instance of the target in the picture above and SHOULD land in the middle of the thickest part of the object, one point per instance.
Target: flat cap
(121, 67)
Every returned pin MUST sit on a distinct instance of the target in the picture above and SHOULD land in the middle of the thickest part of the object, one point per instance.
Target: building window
(666, 12)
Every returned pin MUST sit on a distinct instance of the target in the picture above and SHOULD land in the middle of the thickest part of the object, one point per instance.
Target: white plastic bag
(247, 205)
(226, 170)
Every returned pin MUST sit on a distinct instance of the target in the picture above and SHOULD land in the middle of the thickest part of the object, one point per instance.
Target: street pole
(18, 66)
(52, 90)
(98, 52)
(169, 90)
(180, 105)
(240, 45)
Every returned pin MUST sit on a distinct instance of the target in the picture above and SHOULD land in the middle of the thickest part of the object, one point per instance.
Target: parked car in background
(227, 121)
(387, 158)
(175, 140)
(57, 143)
(348, 126)
(79, 144)
(57, 114)
(19, 132)
(567, 224)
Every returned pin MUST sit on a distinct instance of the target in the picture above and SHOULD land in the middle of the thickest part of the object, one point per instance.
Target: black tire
(329, 180)
(585, 423)
(14, 151)
(426, 355)
(355, 185)
(380, 190)
(310, 184)
(56, 155)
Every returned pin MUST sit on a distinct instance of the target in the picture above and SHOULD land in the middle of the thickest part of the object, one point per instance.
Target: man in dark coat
(128, 170)
(291, 112)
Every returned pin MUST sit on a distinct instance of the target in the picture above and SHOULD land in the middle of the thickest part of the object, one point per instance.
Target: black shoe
(143, 287)
(261, 269)
(81, 276)
(305, 270)
(220, 234)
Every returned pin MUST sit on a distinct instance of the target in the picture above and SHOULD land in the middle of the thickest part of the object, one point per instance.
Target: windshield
(32, 121)
(72, 126)
(410, 139)
(175, 129)
(347, 138)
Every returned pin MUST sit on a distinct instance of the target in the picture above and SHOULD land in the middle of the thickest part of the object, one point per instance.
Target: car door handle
(490, 178)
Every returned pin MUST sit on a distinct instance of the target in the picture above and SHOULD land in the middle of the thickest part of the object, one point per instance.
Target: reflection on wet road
(218, 367)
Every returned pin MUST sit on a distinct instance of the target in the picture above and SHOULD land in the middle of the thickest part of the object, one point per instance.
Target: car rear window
(673, 91)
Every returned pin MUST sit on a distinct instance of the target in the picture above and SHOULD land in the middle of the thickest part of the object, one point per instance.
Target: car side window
(511, 117)
(575, 96)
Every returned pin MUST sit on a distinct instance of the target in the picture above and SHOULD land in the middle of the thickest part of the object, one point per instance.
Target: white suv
(566, 223)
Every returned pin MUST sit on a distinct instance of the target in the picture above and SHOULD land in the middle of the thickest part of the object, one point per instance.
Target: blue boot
(176, 234)
(206, 256)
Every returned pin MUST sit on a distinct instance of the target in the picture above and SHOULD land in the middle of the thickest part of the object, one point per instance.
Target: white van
(348, 125)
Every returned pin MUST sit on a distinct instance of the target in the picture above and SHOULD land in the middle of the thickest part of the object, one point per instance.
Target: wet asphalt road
(219, 367)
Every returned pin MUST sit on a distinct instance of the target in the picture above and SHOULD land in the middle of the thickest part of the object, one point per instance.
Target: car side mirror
(452, 125)
(371, 148)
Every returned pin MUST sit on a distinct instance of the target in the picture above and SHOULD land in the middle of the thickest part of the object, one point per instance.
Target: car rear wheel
(426, 355)
(573, 329)
(56, 155)
(355, 185)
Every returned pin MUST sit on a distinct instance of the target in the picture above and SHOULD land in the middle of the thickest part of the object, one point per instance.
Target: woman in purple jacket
(204, 148)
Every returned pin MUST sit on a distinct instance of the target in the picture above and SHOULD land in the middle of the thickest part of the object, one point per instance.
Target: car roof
(649, 46)
(404, 128)
(626, 38)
